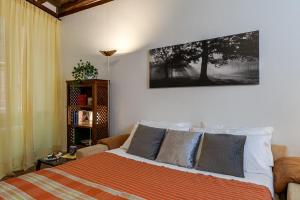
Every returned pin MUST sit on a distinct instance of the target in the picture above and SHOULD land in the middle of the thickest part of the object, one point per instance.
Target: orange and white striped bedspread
(108, 176)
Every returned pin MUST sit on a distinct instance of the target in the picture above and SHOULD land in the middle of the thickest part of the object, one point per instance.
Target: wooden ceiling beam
(44, 8)
(41, 1)
(56, 3)
(79, 5)
(67, 7)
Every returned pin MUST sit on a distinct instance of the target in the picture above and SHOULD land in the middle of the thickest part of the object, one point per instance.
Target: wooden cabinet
(96, 104)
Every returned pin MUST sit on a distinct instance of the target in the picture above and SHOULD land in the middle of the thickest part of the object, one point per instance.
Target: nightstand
(51, 163)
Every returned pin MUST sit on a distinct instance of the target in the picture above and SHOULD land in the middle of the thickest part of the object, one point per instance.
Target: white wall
(135, 26)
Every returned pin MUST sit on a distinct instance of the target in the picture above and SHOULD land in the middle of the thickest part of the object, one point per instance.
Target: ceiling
(60, 8)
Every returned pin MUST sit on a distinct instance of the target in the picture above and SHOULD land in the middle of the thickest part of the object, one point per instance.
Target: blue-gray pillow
(179, 148)
(223, 154)
(146, 142)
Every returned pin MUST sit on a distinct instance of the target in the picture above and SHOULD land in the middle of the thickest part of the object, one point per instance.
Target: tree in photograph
(177, 56)
(159, 56)
(220, 50)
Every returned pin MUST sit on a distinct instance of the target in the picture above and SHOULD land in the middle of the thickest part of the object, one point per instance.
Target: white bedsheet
(265, 179)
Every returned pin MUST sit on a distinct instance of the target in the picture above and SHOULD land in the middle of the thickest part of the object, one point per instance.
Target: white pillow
(258, 157)
(183, 126)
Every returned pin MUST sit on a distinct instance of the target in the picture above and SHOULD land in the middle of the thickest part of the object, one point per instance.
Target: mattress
(116, 175)
(264, 179)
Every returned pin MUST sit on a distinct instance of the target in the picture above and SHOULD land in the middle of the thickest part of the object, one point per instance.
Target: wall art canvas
(229, 60)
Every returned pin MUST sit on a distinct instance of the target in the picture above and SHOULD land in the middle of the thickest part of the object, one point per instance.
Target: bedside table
(51, 163)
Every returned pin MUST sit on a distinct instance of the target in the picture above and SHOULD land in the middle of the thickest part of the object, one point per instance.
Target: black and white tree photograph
(229, 60)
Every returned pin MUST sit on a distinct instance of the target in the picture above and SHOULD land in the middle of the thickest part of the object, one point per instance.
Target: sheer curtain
(30, 103)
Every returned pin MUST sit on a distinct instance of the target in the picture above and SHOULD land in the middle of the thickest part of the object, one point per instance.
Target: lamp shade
(108, 53)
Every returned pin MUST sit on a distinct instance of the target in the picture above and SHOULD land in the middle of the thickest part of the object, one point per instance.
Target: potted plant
(84, 71)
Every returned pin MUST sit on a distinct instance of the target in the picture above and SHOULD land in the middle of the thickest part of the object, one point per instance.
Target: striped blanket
(108, 176)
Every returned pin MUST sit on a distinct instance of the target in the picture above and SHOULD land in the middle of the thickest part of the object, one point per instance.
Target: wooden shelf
(82, 106)
(98, 90)
(81, 126)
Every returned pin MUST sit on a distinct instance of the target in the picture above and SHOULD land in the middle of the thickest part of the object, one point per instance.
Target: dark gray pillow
(179, 148)
(223, 154)
(146, 142)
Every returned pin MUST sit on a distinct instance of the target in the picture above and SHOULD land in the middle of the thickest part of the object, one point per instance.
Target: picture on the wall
(229, 60)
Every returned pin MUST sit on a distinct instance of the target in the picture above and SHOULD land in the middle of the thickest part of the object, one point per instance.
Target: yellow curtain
(30, 103)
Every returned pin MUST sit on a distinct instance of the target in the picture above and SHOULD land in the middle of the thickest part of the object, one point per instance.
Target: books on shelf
(75, 118)
(83, 118)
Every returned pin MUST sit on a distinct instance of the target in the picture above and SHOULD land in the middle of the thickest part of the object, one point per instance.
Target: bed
(116, 174)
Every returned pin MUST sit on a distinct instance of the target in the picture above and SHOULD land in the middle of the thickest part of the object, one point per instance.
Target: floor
(18, 173)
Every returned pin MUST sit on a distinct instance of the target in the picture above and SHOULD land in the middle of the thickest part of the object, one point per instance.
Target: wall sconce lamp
(108, 54)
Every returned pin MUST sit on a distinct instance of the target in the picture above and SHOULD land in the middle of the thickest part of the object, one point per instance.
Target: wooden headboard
(279, 151)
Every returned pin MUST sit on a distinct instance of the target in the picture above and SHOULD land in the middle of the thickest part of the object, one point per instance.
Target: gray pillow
(223, 154)
(146, 142)
(179, 148)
